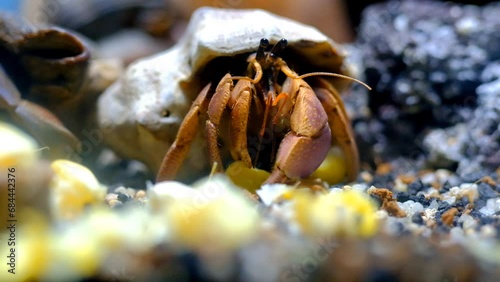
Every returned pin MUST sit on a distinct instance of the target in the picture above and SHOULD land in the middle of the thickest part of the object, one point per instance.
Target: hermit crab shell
(141, 113)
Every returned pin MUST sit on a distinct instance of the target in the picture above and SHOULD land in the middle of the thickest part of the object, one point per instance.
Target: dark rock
(479, 203)
(382, 275)
(420, 199)
(446, 186)
(486, 192)
(402, 197)
(489, 220)
(123, 197)
(475, 213)
(461, 203)
(472, 177)
(417, 218)
(442, 206)
(416, 186)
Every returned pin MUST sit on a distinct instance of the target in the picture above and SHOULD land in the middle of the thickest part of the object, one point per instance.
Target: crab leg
(342, 132)
(304, 148)
(240, 101)
(216, 108)
(187, 132)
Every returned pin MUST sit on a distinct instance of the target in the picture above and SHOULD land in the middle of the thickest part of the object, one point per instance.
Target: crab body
(274, 118)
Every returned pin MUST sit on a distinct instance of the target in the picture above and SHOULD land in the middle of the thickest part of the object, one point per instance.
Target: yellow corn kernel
(345, 213)
(249, 178)
(17, 149)
(72, 188)
(31, 246)
(332, 169)
(77, 254)
(217, 217)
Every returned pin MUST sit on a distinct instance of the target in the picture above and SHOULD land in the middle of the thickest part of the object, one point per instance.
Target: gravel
(435, 71)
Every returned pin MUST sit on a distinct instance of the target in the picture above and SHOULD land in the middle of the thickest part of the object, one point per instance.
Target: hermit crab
(265, 92)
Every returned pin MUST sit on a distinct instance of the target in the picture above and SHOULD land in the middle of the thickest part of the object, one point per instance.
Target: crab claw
(305, 147)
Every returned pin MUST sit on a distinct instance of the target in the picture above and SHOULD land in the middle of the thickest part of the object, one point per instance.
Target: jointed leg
(306, 145)
(342, 132)
(187, 132)
(240, 102)
(216, 108)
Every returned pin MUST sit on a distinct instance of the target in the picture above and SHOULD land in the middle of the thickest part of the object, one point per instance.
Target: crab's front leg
(305, 147)
(239, 102)
(216, 108)
(185, 136)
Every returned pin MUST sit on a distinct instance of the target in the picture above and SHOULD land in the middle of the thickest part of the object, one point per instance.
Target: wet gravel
(435, 72)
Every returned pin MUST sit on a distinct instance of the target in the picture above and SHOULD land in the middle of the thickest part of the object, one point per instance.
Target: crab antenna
(262, 47)
(335, 75)
(288, 72)
(258, 74)
(278, 47)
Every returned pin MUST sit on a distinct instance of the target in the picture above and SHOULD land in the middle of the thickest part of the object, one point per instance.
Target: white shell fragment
(141, 113)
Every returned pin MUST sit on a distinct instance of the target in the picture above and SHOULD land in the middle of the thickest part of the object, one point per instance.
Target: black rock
(417, 218)
(402, 197)
(486, 192)
(461, 203)
(442, 206)
(446, 186)
(382, 275)
(472, 177)
(416, 186)
(479, 203)
(421, 199)
(484, 220)
(123, 197)
(385, 180)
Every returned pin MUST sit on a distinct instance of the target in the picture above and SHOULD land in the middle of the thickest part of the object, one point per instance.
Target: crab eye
(279, 47)
(264, 43)
(262, 47)
(165, 113)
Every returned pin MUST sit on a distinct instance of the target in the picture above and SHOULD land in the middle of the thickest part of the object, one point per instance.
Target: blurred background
(337, 18)
(158, 23)
(393, 41)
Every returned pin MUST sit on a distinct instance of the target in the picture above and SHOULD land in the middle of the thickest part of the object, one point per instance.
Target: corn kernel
(215, 216)
(17, 149)
(332, 169)
(249, 178)
(72, 188)
(345, 213)
(32, 248)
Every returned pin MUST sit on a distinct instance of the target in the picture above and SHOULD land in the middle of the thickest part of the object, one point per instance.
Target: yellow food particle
(32, 249)
(18, 156)
(249, 178)
(332, 169)
(218, 217)
(345, 213)
(77, 255)
(72, 188)
(17, 149)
